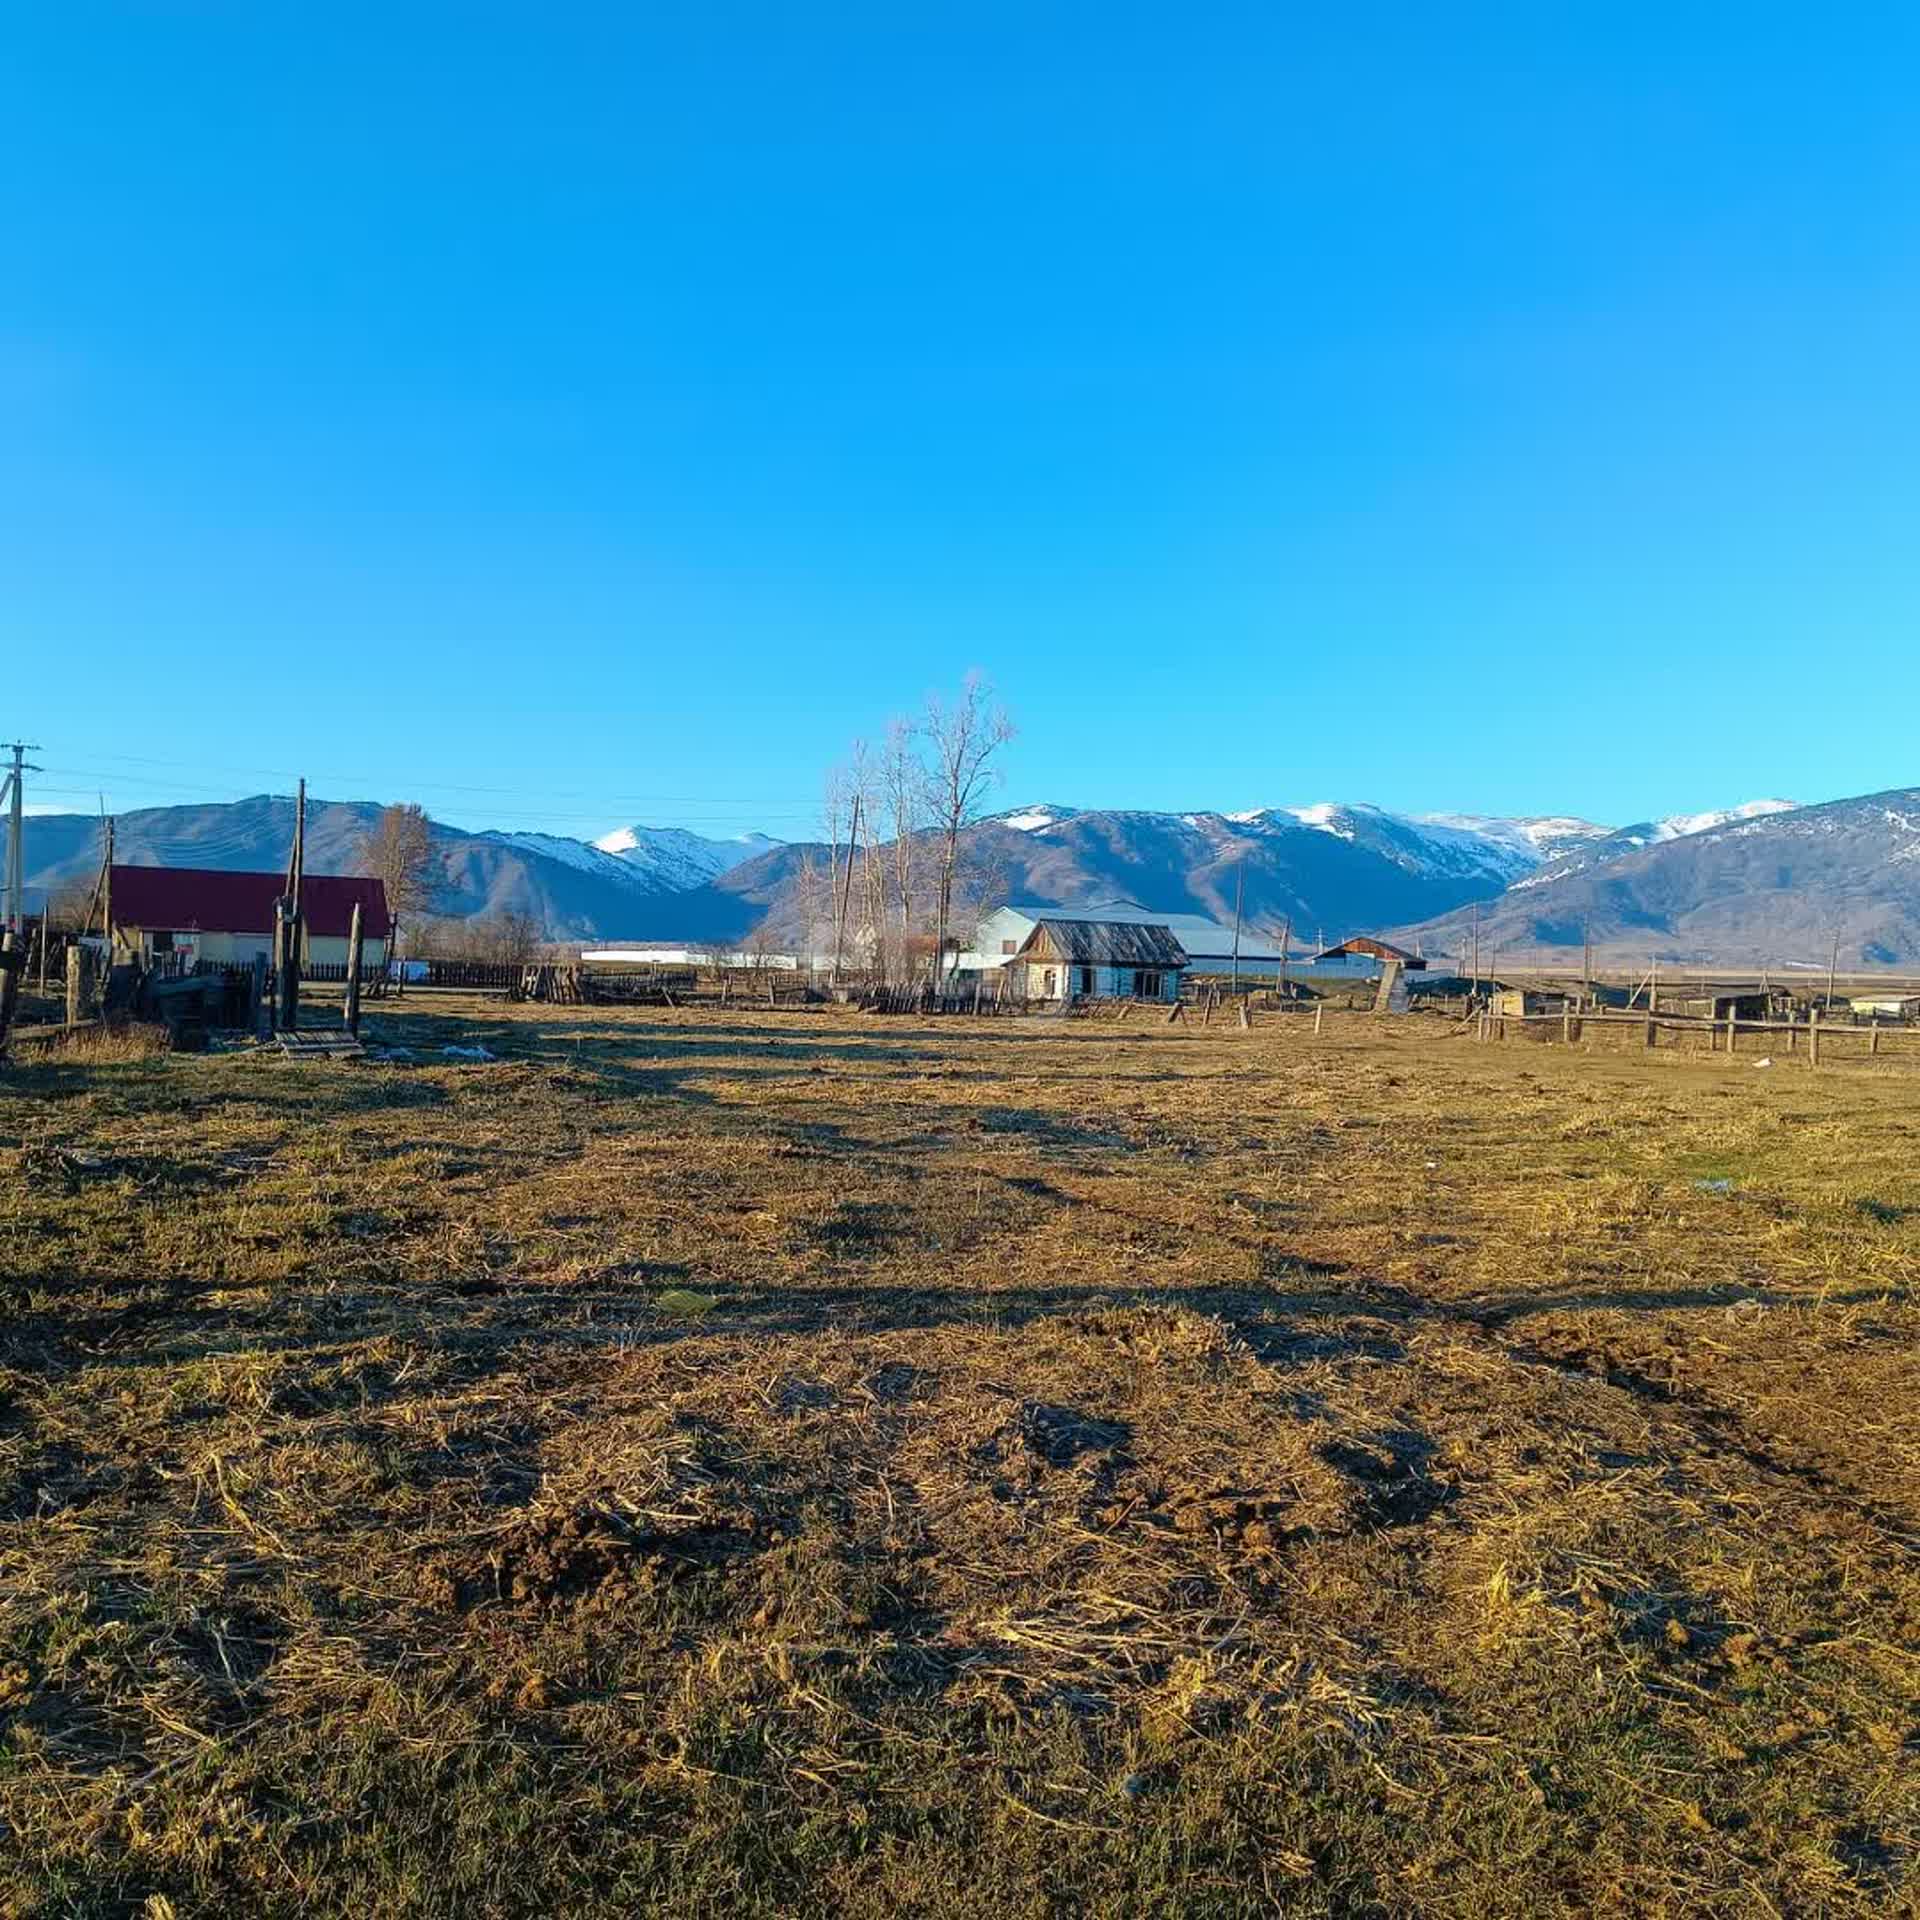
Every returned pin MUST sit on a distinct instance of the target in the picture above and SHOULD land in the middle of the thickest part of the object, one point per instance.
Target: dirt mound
(591, 1555)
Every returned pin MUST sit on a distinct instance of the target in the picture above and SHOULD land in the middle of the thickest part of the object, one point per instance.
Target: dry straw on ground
(841, 1464)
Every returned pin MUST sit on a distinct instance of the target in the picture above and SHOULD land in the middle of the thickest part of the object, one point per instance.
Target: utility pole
(1239, 900)
(16, 848)
(1476, 951)
(1586, 962)
(846, 887)
(1833, 960)
(296, 860)
(106, 887)
(1286, 942)
(288, 930)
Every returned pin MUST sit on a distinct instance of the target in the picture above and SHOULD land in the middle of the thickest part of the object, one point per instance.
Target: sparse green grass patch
(836, 1464)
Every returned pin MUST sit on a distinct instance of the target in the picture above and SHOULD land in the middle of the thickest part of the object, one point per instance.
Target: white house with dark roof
(1208, 945)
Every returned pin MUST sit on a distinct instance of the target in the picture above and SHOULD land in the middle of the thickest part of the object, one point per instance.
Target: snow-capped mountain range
(658, 859)
(1736, 881)
(1447, 844)
(1330, 863)
(1764, 882)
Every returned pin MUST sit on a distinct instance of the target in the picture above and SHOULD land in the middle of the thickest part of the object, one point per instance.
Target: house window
(1146, 986)
(162, 942)
(1086, 980)
(1008, 946)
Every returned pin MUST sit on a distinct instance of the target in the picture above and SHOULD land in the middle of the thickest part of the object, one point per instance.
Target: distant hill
(1735, 883)
(578, 891)
(1331, 870)
(1766, 885)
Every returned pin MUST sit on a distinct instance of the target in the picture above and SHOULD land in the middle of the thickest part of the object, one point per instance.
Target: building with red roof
(205, 913)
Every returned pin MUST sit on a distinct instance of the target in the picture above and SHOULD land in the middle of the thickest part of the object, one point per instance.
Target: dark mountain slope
(1778, 887)
(477, 873)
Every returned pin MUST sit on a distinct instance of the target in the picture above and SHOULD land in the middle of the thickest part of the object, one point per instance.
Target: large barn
(1064, 960)
(203, 913)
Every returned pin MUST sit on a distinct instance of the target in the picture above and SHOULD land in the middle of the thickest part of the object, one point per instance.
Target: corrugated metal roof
(1200, 936)
(1377, 949)
(210, 900)
(1108, 943)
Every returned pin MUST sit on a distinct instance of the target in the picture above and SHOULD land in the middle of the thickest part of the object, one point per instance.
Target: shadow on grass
(477, 1327)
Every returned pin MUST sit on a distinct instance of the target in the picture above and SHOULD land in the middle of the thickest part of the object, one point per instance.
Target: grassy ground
(822, 1463)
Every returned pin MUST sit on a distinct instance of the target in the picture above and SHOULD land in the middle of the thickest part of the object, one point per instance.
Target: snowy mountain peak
(656, 859)
(677, 857)
(1324, 814)
(1677, 825)
(1034, 819)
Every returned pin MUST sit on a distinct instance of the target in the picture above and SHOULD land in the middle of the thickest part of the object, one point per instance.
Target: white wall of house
(330, 950)
(997, 939)
(239, 949)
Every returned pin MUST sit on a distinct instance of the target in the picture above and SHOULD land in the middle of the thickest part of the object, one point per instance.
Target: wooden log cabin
(1066, 960)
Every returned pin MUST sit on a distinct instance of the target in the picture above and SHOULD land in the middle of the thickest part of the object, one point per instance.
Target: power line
(617, 808)
(441, 786)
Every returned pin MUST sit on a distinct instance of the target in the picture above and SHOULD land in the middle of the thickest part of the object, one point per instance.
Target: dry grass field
(821, 1463)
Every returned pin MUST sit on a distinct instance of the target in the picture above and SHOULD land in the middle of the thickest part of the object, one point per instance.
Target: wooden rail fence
(1813, 1033)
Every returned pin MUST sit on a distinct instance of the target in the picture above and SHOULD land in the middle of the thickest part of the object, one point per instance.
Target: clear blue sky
(573, 414)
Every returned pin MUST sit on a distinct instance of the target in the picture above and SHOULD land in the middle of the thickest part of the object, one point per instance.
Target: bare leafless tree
(67, 905)
(515, 936)
(506, 937)
(398, 851)
(963, 738)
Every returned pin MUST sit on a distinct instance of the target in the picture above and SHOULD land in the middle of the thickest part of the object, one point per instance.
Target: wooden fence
(1816, 1038)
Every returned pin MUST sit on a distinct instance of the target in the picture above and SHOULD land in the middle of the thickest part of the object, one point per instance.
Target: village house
(1733, 1003)
(1208, 945)
(1885, 1006)
(188, 914)
(1362, 957)
(1066, 960)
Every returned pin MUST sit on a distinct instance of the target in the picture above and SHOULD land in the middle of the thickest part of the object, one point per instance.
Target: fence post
(1317, 1012)
(1650, 1041)
(1813, 1036)
(74, 954)
(355, 949)
(286, 966)
(14, 965)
